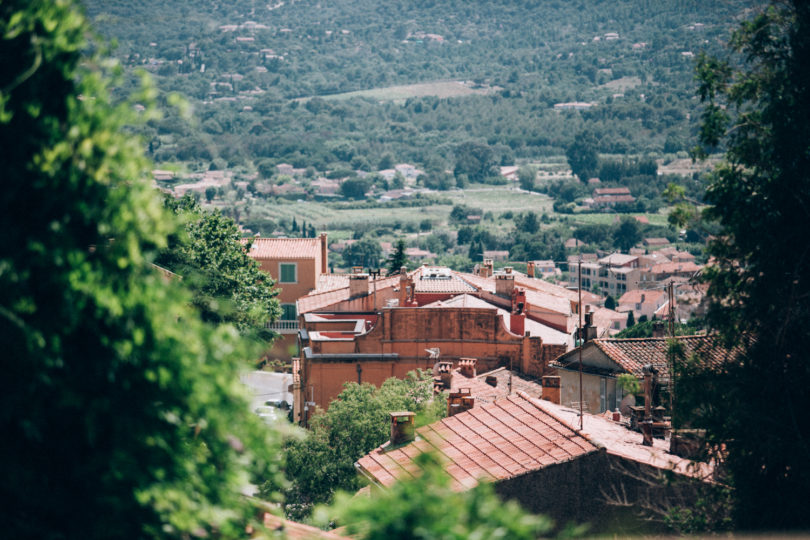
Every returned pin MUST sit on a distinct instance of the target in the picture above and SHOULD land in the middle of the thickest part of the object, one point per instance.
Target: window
(288, 312)
(287, 273)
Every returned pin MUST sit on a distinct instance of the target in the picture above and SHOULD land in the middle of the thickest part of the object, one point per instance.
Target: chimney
(358, 285)
(324, 255)
(505, 282)
(658, 329)
(530, 269)
(492, 380)
(445, 373)
(486, 269)
(589, 330)
(460, 401)
(402, 428)
(517, 319)
(467, 367)
(551, 389)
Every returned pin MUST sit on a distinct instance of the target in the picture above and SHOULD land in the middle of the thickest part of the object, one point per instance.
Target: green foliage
(226, 283)
(610, 302)
(366, 252)
(475, 161)
(355, 188)
(527, 176)
(122, 413)
(398, 258)
(628, 383)
(582, 156)
(644, 328)
(757, 104)
(627, 234)
(355, 423)
(425, 507)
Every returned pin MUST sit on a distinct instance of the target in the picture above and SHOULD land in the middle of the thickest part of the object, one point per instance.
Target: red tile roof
(323, 299)
(672, 267)
(633, 354)
(612, 191)
(284, 248)
(453, 284)
(650, 296)
(486, 393)
(496, 441)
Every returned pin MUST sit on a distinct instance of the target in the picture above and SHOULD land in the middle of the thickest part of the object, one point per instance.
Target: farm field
(440, 89)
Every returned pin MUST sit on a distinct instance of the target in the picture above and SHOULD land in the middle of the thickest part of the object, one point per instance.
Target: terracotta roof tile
(495, 441)
(284, 248)
(634, 353)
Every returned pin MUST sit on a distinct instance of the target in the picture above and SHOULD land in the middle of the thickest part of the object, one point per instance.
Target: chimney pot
(467, 367)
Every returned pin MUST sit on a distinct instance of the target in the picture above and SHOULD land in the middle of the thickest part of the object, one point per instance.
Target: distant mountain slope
(245, 60)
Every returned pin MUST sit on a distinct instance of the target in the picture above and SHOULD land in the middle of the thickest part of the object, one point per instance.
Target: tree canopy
(757, 104)
(226, 282)
(122, 415)
(355, 423)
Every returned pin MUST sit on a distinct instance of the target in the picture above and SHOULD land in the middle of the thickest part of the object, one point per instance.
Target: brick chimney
(460, 401)
(505, 282)
(467, 367)
(517, 319)
(402, 427)
(445, 372)
(530, 269)
(358, 284)
(551, 388)
(406, 288)
(486, 269)
(658, 329)
(324, 255)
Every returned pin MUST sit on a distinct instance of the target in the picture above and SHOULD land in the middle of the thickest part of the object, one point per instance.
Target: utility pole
(581, 336)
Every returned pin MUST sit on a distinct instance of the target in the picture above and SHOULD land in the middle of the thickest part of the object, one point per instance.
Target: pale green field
(441, 89)
(495, 199)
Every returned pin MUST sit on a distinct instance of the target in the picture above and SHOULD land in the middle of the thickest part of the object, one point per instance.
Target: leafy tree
(365, 252)
(226, 283)
(121, 411)
(476, 161)
(425, 506)
(527, 223)
(758, 104)
(582, 156)
(610, 302)
(355, 423)
(527, 176)
(355, 188)
(398, 258)
(626, 234)
(631, 319)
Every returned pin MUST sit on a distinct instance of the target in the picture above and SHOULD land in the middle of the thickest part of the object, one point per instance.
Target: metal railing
(283, 327)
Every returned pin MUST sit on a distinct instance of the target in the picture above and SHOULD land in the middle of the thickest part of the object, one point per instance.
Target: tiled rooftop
(284, 248)
(634, 297)
(496, 441)
(323, 299)
(634, 353)
(671, 267)
(485, 393)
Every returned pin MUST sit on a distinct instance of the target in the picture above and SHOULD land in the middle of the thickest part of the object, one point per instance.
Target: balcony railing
(283, 327)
